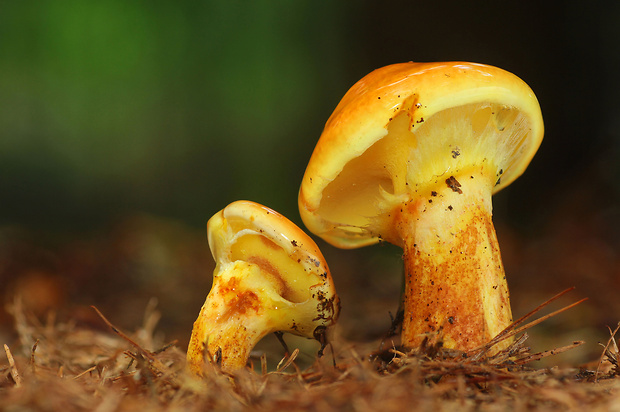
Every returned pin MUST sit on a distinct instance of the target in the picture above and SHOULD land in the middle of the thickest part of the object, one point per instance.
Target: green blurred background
(171, 110)
(178, 108)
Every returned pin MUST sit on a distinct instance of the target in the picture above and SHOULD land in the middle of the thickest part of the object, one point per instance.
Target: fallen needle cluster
(58, 366)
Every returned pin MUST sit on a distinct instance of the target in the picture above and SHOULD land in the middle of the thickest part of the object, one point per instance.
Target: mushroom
(411, 156)
(269, 276)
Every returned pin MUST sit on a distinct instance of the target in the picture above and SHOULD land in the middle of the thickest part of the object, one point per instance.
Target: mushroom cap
(401, 127)
(281, 265)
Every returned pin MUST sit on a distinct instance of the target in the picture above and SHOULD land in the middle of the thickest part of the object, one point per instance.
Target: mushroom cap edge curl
(270, 276)
(362, 119)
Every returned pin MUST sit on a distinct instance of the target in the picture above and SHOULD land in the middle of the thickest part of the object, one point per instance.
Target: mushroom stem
(455, 279)
(227, 345)
(230, 323)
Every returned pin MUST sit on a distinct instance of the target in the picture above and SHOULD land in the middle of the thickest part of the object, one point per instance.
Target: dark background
(125, 125)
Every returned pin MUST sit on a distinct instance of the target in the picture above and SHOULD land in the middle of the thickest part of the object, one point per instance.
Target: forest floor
(62, 366)
(59, 354)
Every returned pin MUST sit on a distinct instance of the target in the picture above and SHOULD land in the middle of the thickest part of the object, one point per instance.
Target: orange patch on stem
(455, 279)
(240, 301)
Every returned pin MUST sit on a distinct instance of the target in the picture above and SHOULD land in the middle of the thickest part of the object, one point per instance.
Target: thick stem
(231, 321)
(455, 279)
(227, 344)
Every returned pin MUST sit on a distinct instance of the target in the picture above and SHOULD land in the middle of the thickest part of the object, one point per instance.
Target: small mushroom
(411, 155)
(269, 277)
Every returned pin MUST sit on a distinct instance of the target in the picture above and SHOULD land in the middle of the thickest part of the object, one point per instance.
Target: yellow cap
(404, 125)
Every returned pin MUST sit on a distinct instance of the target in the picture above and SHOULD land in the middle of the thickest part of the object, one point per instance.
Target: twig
(288, 362)
(512, 329)
(263, 364)
(502, 335)
(514, 349)
(280, 337)
(165, 347)
(155, 366)
(32, 358)
(148, 355)
(78, 376)
(540, 355)
(14, 373)
(544, 318)
(600, 361)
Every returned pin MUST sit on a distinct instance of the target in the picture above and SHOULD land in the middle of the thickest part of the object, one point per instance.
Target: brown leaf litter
(63, 366)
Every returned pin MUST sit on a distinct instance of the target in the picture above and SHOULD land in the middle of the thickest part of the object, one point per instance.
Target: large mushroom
(411, 155)
(269, 277)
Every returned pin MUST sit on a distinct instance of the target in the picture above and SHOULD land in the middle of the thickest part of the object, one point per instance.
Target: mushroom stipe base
(455, 280)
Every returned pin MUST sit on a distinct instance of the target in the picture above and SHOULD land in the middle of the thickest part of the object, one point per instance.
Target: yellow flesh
(286, 275)
(402, 163)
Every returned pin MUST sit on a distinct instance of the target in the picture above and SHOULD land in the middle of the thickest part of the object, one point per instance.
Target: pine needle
(606, 351)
